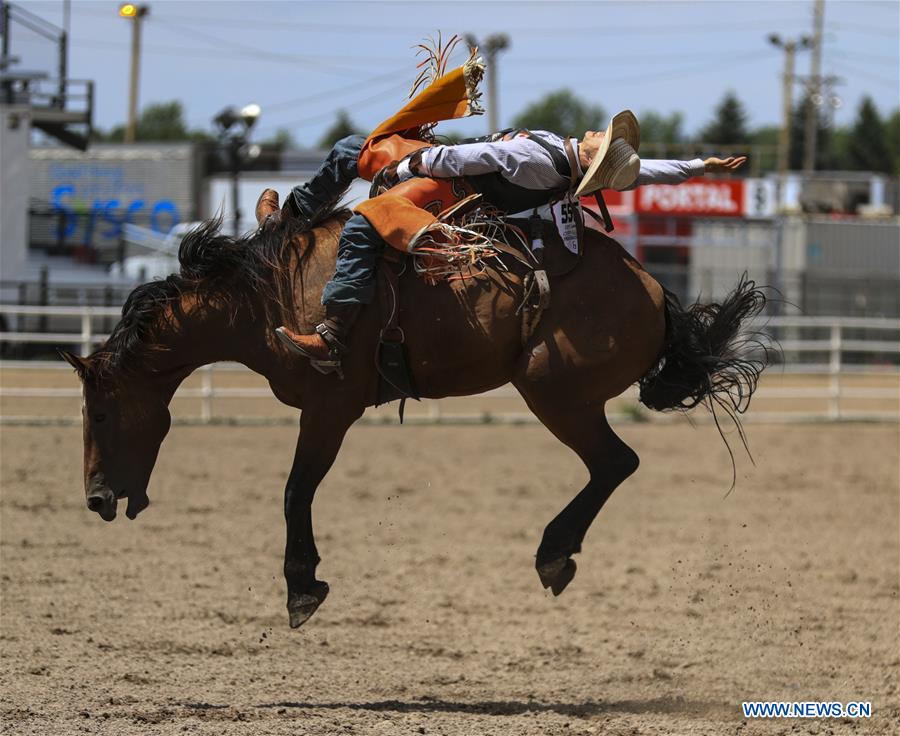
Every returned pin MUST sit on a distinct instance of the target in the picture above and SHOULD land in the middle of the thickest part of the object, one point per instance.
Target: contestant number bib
(567, 218)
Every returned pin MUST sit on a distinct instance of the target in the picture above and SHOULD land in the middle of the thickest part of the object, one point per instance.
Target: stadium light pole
(234, 130)
(134, 13)
(491, 46)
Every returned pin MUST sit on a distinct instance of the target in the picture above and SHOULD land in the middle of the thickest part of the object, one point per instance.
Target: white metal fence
(823, 358)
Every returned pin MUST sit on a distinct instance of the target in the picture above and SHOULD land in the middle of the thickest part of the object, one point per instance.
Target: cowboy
(513, 170)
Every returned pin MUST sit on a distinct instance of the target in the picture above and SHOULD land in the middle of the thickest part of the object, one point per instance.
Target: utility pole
(135, 13)
(814, 90)
(790, 47)
(492, 45)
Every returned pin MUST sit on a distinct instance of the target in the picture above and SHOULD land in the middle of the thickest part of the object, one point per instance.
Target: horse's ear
(79, 364)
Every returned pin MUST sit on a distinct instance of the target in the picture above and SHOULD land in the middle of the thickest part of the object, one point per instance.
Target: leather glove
(386, 177)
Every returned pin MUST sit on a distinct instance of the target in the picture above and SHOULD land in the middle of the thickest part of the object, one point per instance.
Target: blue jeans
(334, 176)
(359, 249)
(360, 245)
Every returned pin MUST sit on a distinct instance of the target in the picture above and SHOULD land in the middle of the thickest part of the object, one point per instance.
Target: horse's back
(465, 335)
(606, 322)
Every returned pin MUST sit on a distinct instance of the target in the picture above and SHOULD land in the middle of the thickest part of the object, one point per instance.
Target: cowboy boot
(268, 212)
(328, 342)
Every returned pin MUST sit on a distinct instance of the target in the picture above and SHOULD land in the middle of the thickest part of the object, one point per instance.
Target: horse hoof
(302, 606)
(557, 574)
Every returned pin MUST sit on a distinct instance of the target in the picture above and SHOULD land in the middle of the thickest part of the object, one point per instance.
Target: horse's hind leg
(584, 428)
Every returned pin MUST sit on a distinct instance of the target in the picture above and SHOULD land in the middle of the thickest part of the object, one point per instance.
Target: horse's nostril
(95, 503)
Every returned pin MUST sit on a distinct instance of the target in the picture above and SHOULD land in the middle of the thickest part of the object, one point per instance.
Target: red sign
(692, 198)
(710, 198)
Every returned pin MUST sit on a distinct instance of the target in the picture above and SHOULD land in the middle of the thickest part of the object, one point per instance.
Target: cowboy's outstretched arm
(668, 171)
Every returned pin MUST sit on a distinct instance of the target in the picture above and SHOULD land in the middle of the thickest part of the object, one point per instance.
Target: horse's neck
(312, 268)
(198, 331)
(201, 328)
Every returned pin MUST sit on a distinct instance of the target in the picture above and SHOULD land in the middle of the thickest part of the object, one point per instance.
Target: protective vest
(511, 197)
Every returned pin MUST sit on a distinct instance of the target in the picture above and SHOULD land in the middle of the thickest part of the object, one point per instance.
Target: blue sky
(302, 61)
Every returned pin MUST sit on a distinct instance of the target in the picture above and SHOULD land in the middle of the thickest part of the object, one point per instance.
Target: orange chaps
(404, 210)
(400, 213)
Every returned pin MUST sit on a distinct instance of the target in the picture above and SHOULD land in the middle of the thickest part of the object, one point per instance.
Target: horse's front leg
(321, 435)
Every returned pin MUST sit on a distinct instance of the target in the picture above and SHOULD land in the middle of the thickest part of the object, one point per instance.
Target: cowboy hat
(616, 164)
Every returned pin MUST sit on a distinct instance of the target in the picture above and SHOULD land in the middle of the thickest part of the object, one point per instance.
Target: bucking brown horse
(610, 325)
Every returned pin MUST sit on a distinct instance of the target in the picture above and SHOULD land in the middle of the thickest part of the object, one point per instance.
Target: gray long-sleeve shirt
(527, 164)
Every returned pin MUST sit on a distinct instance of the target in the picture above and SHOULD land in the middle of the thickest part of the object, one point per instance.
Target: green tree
(729, 124)
(281, 139)
(766, 135)
(341, 128)
(892, 129)
(658, 128)
(163, 121)
(868, 148)
(561, 112)
(766, 138)
(159, 121)
(839, 149)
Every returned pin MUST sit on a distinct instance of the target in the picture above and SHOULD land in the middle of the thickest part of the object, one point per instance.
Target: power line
(650, 76)
(873, 58)
(343, 28)
(334, 92)
(860, 28)
(274, 55)
(662, 58)
(278, 24)
(458, 56)
(254, 55)
(746, 58)
(325, 115)
(844, 66)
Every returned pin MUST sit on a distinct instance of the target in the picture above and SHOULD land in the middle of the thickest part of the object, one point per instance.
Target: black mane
(249, 272)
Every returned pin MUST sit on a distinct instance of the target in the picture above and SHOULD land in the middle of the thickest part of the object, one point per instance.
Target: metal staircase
(61, 107)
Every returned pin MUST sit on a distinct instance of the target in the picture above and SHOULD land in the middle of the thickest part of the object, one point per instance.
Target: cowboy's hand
(719, 165)
(386, 177)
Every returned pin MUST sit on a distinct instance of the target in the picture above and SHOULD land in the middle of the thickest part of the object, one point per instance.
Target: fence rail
(835, 346)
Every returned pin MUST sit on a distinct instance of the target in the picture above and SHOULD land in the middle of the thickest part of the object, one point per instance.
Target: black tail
(707, 356)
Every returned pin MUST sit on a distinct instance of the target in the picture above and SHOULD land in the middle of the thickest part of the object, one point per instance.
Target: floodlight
(130, 10)
(226, 118)
(249, 114)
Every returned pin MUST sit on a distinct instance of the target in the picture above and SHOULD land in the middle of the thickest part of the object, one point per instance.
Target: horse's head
(125, 422)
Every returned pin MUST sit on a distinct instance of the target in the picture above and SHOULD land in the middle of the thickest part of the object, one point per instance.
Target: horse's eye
(99, 418)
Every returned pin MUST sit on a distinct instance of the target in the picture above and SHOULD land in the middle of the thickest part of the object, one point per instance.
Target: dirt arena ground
(686, 602)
